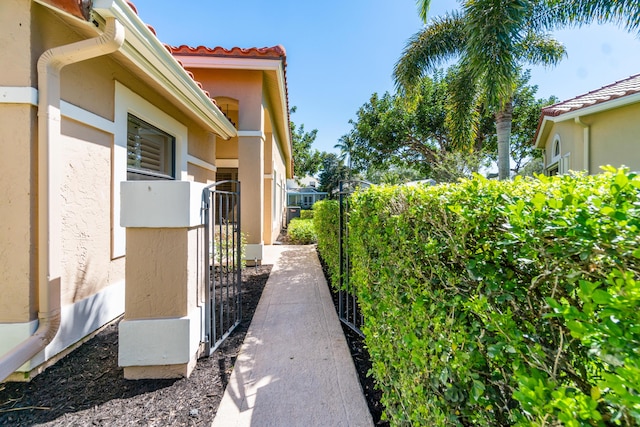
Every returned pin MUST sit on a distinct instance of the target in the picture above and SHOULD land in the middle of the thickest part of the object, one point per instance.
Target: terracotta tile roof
(274, 52)
(619, 89)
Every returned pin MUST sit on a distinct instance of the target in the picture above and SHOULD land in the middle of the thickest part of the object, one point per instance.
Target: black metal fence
(348, 308)
(223, 252)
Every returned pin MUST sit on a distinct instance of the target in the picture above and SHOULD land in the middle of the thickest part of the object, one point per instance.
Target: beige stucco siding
(199, 174)
(18, 193)
(615, 136)
(86, 213)
(88, 188)
(15, 39)
(169, 247)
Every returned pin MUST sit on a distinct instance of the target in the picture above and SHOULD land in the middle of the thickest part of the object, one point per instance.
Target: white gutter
(49, 246)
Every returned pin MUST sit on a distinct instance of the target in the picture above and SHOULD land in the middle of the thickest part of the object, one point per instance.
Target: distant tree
(333, 171)
(393, 175)
(410, 131)
(306, 160)
(491, 39)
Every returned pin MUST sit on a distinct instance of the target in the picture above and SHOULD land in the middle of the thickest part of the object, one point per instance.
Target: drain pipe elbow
(49, 66)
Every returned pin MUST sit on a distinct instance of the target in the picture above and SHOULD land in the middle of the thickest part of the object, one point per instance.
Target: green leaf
(601, 297)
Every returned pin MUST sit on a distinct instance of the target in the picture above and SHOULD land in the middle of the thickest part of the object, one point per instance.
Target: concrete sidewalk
(294, 367)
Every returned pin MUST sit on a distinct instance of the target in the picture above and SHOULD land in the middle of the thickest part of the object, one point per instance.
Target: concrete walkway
(294, 367)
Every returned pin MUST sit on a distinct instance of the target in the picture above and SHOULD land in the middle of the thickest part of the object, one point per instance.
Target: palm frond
(462, 114)
(495, 33)
(441, 40)
(423, 9)
(625, 13)
(542, 49)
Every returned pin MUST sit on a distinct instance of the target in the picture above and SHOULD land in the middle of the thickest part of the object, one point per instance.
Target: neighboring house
(303, 192)
(304, 197)
(592, 130)
(250, 86)
(90, 98)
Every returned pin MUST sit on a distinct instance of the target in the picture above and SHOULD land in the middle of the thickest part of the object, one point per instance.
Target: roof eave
(143, 48)
(584, 111)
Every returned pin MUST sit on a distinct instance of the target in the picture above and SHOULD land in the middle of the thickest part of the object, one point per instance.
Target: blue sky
(339, 52)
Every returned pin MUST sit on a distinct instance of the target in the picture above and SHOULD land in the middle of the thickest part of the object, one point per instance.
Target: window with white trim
(150, 151)
(555, 167)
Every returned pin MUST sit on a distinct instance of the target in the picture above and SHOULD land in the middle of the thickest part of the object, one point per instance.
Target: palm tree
(492, 39)
(345, 144)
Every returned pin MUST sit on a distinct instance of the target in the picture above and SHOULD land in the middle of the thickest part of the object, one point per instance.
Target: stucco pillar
(161, 332)
(250, 175)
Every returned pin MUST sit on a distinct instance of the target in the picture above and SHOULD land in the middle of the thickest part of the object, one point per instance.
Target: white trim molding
(128, 102)
(252, 133)
(18, 95)
(29, 95)
(159, 342)
(201, 163)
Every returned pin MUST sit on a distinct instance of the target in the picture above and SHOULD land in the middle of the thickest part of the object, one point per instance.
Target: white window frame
(128, 102)
(555, 163)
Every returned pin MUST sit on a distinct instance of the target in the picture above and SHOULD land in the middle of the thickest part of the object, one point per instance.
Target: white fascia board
(228, 63)
(144, 49)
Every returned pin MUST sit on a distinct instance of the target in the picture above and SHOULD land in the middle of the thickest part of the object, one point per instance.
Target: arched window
(556, 148)
(554, 165)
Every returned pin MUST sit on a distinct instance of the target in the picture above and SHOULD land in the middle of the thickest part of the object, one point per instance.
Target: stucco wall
(15, 39)
(86, 213)
(615, 138)
(17, 192)
(169, 247)
(88, 188)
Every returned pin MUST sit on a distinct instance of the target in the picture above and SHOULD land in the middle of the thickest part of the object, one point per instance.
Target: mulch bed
(87, 388)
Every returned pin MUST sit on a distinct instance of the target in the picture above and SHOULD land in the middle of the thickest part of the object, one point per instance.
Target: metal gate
(223, 255)
(348, 309)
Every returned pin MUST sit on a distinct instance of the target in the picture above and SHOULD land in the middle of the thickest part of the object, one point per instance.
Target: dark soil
(87, 388)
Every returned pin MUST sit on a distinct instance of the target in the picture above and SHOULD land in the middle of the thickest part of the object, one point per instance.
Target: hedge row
(301, 231)
(502, 303)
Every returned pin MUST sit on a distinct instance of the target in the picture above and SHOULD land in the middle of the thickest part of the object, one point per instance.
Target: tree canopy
(306, 160)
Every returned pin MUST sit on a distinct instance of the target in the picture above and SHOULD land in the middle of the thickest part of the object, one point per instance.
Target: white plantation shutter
(149, 151)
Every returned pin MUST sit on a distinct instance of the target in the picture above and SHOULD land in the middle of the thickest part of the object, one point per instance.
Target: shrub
(306, 214)
(301, 231)
(501, 303)
(326, 221)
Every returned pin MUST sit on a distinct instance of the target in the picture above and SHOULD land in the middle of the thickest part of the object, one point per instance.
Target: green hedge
(326, 220)
(301, 231)
(503, 303)
(306, 214)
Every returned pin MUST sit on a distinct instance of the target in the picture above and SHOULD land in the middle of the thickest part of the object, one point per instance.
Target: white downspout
(49, 245)
(585, 143)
